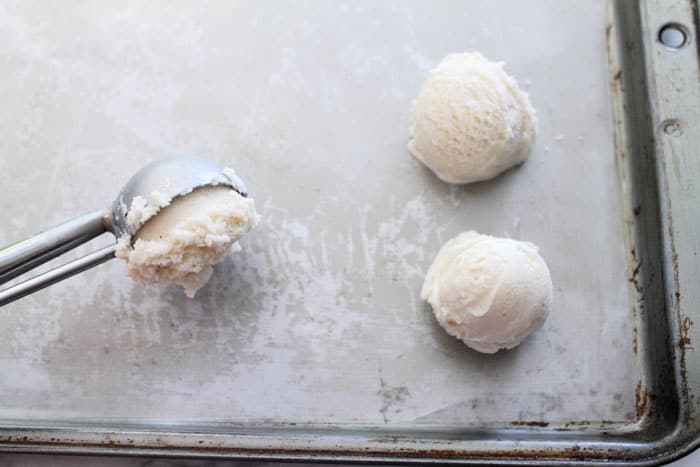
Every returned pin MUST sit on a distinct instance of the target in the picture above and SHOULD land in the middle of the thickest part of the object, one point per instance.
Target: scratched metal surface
(319, 319)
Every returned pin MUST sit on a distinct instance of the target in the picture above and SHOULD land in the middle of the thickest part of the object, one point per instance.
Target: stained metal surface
(313, 342)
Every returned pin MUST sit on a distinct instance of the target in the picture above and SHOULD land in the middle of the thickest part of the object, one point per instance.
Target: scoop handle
(57, 274)
(23, 256)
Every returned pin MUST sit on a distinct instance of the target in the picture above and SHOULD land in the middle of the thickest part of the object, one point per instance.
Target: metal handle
(55, 275)
(25, 255)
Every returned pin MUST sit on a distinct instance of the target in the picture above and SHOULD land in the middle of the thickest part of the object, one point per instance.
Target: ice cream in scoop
(180, 242)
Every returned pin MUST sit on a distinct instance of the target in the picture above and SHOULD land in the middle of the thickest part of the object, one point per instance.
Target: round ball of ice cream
(470, 121)
(489, 292)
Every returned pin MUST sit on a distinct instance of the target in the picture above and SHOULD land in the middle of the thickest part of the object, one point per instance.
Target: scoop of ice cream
(180, 243)
(470, 121)
(489, 292)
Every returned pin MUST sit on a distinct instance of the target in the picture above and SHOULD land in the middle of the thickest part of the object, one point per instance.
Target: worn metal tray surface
(313, 342)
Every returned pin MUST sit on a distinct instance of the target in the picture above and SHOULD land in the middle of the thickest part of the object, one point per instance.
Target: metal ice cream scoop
(166, 178)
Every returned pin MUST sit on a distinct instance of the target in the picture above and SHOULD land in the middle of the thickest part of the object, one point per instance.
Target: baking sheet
(319, 319)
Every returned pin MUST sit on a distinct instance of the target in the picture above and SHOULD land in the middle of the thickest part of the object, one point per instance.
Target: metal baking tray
(313, 342)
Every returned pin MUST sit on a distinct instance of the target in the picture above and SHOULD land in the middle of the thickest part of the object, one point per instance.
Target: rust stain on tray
(686, 324)
(635, 272)
(574, 451)
(643, 401)
(532, 423)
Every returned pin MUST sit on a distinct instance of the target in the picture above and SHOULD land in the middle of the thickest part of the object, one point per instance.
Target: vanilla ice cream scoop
(470, 121)
(184, 239)
(489, 292)
(173, 219)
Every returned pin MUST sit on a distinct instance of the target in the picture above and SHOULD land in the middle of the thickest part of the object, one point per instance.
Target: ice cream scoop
(151, 189)
(471, 121)
(489, 292)
(181, 243)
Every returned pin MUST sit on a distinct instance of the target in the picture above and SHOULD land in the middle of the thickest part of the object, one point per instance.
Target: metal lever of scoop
(26, 255)
(48, 278)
